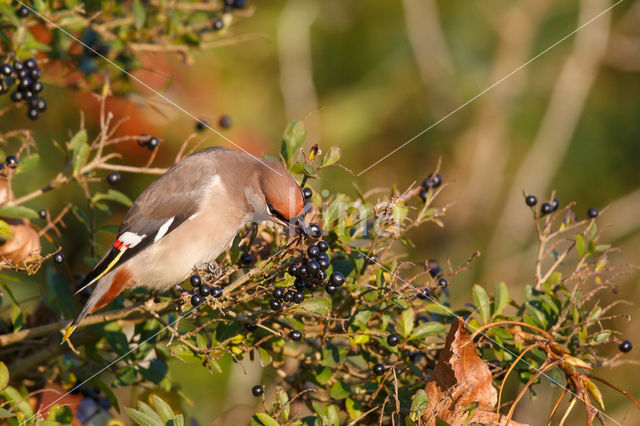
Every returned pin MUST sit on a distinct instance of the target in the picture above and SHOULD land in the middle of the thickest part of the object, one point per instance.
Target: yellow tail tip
(67, 333)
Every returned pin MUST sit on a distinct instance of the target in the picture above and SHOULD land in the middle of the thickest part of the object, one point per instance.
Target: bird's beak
(67, 333)
(300, 226)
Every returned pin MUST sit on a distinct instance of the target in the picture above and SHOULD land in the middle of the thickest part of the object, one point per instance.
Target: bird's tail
(107, 289)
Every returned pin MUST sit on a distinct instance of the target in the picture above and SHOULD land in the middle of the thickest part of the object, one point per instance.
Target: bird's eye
(275, 213)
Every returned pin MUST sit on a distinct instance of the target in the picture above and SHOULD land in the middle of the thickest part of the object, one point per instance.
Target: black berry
(293, 268)
(424, 294)
(58, 258)
(331, 289)
(11, 161)
(295, 335)
(31, 64)
(555, 204)
(196, 300)
(43, 214)
(42, 104)
(278, 293)
(22, 73)
(313, 251)
(218, 24)
(275, 305)
(195, 280)
(216, 292)
(113, 178)
(251, 326)
(202, 124)
(336, 279)
(143, 139)
(313, 267)
(302, 271)
(36, 87)
(35, 73)
(25, 83)
(378, 369)
(324, 263)
(6, 70)
(17, 65)
(298, 297)
(432, 181)
(246, 259)
(315, 231)
(23, 11)
(593, 212)
(204, 290)
(531, 200)
(546, 208)
(33, 113)
(16, 96)
(288, 296)
(225, 122)
(307, 193)
(393, 339)
(153, 143)
(323, 245)
(434, 268)
(625, 346)
(443, 283)
(257, 390)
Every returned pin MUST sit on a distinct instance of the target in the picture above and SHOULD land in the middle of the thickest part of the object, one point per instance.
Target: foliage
(554, 330)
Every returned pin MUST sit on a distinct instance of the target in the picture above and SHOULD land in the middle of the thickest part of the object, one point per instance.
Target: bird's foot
(210, 271)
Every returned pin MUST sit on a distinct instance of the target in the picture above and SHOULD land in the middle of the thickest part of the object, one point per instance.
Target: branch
(132, 312)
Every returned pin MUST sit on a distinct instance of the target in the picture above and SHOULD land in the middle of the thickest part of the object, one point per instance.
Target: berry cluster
(310, 273)
(151, 142)
(550, 207)
(201, 291)
(25, 75)
(431, 182)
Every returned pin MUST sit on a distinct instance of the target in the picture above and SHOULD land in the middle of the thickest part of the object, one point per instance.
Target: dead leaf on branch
(460, 389)
(25, 243)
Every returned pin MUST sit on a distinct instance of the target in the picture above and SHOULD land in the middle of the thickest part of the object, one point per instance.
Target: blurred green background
(368, 76)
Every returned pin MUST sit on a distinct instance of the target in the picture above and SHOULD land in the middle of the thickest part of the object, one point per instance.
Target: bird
(189, 216)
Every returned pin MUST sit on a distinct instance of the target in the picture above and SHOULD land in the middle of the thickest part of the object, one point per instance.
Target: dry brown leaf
(460, 389)
(25, 242)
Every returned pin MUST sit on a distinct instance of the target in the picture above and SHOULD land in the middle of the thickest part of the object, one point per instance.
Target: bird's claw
(210, 271)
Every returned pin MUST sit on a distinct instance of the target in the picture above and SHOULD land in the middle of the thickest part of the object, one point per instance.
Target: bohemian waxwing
(187, 217)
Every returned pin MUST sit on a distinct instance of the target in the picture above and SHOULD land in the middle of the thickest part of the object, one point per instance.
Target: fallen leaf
(24, 244)
(460, 389)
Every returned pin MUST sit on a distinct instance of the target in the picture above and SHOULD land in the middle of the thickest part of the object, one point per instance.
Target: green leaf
(354, 408)
(17, 319)
(116, 338)
(21, 212)
(162, 408)
(318, 305)
(5, 231)
(28, 163)
(339, 390)
(265, 356)
(79, 150)
(500, 298)
(125, 376)
(580, 245)
(112, 195)
(143, 419)
(292, 139)
(7, 10)
(283, 399)
(332, 157)
(324, 376)
(16, 399)
(4, 376)
(407, 319)
(5, 413)
(266, 420)
(139, 14)
(427, 329)
(481, 300)
(419, 404)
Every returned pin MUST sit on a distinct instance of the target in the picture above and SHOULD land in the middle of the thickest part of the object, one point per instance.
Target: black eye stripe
(274, 212)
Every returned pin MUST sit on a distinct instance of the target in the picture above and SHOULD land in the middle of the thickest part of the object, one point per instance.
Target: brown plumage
(189, 216)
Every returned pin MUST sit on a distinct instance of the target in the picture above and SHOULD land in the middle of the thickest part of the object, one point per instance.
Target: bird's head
(282, 196)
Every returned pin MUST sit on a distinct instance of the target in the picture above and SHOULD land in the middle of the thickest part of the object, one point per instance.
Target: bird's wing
(162, 207)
